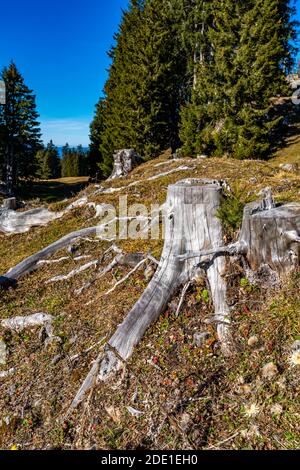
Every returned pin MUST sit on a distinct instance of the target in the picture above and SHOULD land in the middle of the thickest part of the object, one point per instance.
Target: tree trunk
(190, 224)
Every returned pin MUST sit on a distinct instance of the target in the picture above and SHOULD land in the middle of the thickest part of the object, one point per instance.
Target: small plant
(244, 283)
(205, 295)
(231, 212)
(202, 295)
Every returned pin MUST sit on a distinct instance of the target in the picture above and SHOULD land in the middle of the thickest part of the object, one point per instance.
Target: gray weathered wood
(10, 203)
(271, 237)
(191, 225)
(30, 264)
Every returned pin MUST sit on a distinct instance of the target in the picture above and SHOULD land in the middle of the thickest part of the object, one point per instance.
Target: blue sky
(60, 48)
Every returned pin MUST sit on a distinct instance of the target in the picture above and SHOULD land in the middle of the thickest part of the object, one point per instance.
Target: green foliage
(74, 162)
(19, 129)
(48, 164)
(231, 212)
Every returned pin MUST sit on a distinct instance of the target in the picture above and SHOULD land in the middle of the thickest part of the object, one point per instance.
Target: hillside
(190, 396)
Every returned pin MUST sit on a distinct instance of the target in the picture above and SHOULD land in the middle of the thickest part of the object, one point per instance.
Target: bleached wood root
(21, 222)
(122, 259)
(88, 383)
(52, 261)
(170, 172)
(121, 281)
(20, 323)
(73, 273)
(151, 178)
(31, 263)
(7, 373)
(271, 236)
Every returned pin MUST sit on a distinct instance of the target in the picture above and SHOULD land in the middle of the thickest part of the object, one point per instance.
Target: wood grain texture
(191, 225)
(271, 237)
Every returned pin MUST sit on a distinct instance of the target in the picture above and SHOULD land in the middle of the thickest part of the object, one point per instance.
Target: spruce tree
(145, 88)
(48, 162)
(230, 111)
(95, 158)
(21, 131)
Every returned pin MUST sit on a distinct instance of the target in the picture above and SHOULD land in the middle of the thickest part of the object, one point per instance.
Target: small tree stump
(190, 224)
(124, 162)
(271, 237)
(10, 204)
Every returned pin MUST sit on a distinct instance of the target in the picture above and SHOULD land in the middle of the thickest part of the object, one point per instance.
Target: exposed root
(31, 263)
(184, 291)
(7, 373)
(73, 273)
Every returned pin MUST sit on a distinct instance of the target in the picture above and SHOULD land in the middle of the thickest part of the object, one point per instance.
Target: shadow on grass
(52, 190)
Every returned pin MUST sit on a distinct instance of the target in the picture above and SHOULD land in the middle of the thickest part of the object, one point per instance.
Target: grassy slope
(191, 397)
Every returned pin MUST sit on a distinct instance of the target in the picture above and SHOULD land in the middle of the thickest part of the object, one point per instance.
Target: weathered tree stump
(124, 162)
(10, 204)
(191, 224)
(270, 237)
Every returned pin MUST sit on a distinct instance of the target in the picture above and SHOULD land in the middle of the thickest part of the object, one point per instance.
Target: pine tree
(21, 132)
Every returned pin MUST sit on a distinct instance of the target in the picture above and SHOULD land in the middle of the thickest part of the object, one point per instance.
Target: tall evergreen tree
(145, 90)
(20, 128)
(74, 162)
(230, 111)
(95, 158)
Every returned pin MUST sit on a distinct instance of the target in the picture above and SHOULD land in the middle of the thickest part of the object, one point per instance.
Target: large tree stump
(190, 225)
